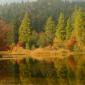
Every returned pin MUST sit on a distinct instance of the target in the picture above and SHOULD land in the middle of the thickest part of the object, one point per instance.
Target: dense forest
(46, 18)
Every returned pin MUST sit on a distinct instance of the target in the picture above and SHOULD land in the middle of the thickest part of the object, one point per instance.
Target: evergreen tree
(50, 29)
(42, 40)
(68, 29)
(33, 39)
(78, 25)
(24, 31)
(60, 29)
(16, 24)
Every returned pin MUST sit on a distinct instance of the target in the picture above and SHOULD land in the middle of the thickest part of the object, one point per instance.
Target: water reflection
(33, 72)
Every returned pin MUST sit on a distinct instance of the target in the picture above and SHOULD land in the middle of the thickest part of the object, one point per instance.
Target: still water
(33, 72)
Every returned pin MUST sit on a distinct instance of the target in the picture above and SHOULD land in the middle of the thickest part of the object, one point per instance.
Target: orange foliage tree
(4, 30)
(71, 43)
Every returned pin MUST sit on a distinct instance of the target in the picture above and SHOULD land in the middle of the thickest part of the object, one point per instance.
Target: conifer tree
(33, 39)
(42, 40)
(68, 29)
(25, 30)
(50, 30)
(78, 24)
(60, 29)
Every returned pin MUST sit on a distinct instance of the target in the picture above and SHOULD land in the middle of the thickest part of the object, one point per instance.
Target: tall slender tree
(25, 30)
(50, 29)
(68, 29)
(78, 24)
(16, 23)
(60, 29)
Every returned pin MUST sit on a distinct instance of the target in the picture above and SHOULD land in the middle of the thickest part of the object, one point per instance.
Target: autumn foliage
(71, 42)
(4, 29)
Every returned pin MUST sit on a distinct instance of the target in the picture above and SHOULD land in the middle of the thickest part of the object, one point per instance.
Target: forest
(46, 25)
(45, 17)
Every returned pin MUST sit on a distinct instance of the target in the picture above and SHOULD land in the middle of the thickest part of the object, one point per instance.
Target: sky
(10, 1)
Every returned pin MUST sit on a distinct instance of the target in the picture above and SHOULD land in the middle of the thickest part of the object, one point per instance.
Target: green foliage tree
(42, 40)
(78, 25)
(68, 29)
(60, 29)
(34, 39)
(50, 29)
(25, 31)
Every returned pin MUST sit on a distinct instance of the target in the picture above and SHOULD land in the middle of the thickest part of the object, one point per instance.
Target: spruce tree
(25, 31)
(68, 29)
(50, 30)
(78, 24)
(60, 29)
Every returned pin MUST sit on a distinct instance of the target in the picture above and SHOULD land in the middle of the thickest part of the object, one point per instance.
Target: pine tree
(68, 29)
(50, 29)
(78, 24)
(60, 29)
(25, 30)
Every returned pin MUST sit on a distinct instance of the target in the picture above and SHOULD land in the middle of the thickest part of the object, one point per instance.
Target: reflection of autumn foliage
(71, 62)
(49, 53)
(4, 29)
